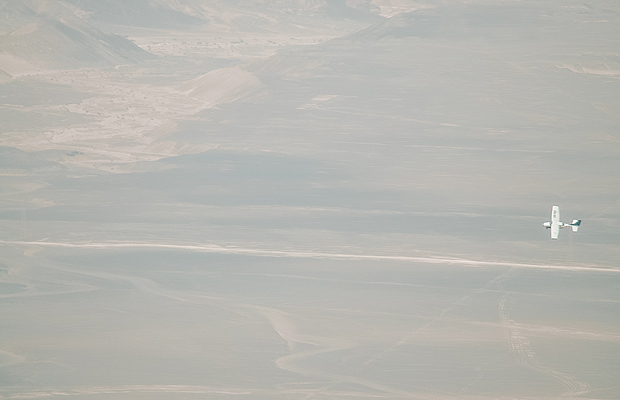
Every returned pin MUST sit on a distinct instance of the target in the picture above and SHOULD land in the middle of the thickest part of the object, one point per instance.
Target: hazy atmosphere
(309, 199)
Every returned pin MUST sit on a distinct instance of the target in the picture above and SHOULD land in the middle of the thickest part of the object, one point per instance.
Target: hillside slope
(52, 35)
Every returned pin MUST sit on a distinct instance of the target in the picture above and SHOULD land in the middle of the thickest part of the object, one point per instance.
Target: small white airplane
(555, 223)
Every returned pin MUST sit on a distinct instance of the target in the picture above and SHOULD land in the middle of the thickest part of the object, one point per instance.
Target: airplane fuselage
(555, 224)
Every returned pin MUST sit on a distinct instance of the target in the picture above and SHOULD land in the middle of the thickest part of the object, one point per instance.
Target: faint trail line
(126, 389)
(470, 384)
(212, 248)
(408, 337)
(525, 356)
(282, 324)
(436, 318)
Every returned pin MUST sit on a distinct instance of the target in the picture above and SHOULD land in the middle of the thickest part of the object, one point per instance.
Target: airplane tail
(575, 224)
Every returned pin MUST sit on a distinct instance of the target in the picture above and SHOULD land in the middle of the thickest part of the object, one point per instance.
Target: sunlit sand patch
(9, 358)
(606, 70)
(220, 86)
(37, 201)
(314, 103)
(390, 8)
(130, 121)
(229, 45)
(15, 66)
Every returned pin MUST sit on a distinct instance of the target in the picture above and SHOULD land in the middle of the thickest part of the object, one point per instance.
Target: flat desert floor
(335, 211)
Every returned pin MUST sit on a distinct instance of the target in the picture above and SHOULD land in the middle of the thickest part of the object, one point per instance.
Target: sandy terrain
(311, 201)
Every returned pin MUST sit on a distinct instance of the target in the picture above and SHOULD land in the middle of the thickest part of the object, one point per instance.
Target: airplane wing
(555, 222)
(555, 230)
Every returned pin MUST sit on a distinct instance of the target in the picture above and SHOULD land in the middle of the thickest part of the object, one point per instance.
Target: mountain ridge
(50, 34)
